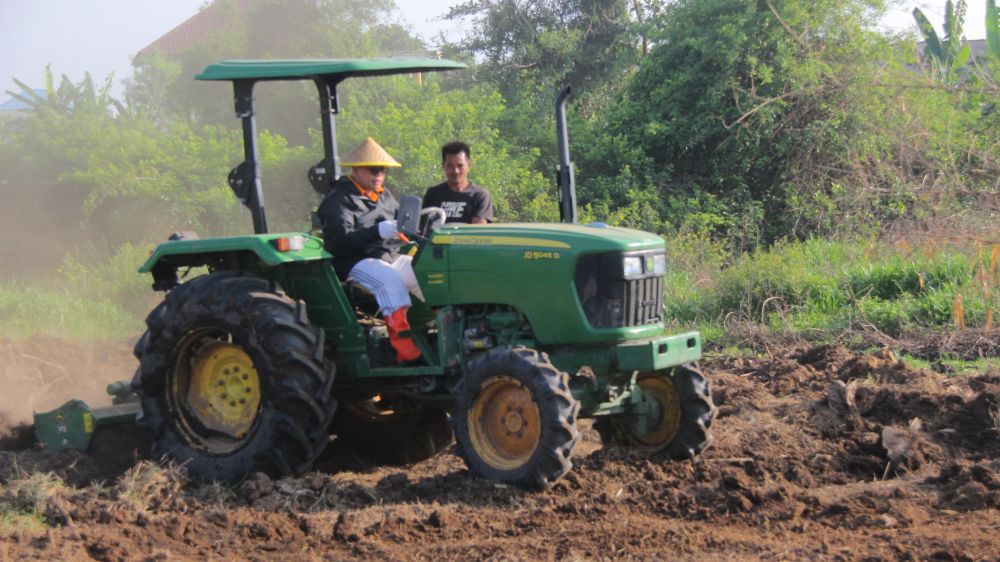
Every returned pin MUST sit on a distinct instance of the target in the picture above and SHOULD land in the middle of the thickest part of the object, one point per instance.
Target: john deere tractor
(525, 329)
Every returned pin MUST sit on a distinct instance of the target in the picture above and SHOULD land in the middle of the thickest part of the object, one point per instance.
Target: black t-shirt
(461, 206)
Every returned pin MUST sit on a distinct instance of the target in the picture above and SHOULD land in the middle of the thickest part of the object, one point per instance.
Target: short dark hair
(454, 148)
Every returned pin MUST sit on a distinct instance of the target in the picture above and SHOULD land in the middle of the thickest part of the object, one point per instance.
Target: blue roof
(14, 104)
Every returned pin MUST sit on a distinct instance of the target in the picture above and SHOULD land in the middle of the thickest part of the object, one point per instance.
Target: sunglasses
(376, 169)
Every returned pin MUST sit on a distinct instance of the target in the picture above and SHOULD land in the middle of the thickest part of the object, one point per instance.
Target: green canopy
(309, 68)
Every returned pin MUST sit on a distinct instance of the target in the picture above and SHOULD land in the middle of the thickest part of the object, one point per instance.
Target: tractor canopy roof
(331, 70)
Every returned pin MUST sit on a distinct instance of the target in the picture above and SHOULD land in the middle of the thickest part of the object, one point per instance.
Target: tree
(528, 49)
(271, 29)
(82, 103)
(550, 42)
(734, 97)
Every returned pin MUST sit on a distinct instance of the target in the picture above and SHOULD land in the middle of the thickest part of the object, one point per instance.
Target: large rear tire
(681, 431)
(515, 418)
(383, 432)
(232, 380)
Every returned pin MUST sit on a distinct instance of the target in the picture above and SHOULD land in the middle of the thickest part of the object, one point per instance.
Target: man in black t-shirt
(461, 200)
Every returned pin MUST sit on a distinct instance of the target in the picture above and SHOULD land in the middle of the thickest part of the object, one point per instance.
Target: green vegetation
(25, 311)
(819, 287)
(954, 366)
(90, 297)
(777, 145)
(949, 55)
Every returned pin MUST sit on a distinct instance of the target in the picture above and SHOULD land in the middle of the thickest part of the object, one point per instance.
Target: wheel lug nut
(245, 376)
(248, 390)
(243, 400)
(232, 404)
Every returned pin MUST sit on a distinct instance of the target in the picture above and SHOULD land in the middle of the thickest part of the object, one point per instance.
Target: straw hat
(369, 153)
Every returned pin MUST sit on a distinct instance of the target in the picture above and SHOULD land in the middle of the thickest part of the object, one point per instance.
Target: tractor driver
(359, 226)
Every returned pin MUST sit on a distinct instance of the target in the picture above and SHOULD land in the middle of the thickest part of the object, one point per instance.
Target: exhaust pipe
(564, 172)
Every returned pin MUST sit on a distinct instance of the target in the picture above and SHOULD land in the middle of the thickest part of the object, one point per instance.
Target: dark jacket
(350, 225)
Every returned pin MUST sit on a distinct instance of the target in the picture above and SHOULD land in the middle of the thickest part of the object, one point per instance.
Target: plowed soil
(819, 453)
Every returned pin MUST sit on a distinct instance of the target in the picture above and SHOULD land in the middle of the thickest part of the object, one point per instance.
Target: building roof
(977, 48)
(196, 29)
(14, 104)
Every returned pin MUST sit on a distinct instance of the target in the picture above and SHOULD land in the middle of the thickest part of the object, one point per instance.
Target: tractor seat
(360, 298)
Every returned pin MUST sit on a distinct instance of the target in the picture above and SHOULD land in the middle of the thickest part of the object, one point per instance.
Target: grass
(149, 487)
(954, 366)
(818, 287)
(12, 522)
(88, 298)
(24, 501)
(29, 310)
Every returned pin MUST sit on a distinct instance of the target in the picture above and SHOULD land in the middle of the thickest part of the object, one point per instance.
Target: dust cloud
(41, 373)
(42, 222)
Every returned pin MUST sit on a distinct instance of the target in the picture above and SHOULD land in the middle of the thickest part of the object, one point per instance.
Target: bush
(827, 286)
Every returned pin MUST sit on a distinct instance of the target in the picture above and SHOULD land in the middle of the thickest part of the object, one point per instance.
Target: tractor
(524, 330)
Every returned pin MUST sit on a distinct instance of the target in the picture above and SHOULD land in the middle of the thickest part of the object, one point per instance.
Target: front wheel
(515, 419)
(680, 419)
(232, 380)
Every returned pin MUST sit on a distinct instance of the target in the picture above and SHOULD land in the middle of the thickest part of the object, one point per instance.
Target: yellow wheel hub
(504, 423)
(224, 393)
(661, 389)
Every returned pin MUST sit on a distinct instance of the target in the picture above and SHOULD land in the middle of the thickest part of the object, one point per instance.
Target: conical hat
(369, 153)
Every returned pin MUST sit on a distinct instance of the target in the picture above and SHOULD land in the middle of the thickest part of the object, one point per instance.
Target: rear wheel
(515, 419)
(383, 431)
(683, 413)
(232, 380)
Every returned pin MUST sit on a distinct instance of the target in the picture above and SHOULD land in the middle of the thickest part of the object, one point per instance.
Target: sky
(100, 36)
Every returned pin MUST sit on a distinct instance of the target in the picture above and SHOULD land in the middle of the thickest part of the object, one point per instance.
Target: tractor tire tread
(559, 410)
(697, 413)
(296, 383)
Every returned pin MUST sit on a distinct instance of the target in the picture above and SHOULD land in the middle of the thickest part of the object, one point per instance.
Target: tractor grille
(610, 300)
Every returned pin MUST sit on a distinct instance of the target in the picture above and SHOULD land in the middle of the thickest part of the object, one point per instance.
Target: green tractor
(525, 328)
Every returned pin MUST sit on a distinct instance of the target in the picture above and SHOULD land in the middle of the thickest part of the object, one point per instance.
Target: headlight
(632, 266)
(660, 264)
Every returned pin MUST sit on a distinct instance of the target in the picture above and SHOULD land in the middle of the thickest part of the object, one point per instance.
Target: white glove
(388, 229)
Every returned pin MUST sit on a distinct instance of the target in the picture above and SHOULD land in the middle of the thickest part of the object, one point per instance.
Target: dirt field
(819, 453)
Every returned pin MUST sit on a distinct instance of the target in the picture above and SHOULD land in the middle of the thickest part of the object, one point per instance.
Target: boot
(406, 350)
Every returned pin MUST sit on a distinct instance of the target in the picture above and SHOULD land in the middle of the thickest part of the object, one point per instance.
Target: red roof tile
(197, 28)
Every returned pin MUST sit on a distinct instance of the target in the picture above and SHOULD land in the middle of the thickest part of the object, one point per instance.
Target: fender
(235, 252)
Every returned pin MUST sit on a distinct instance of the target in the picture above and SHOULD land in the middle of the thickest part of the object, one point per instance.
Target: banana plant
(949, 55)
(993, 31)
(69, 97)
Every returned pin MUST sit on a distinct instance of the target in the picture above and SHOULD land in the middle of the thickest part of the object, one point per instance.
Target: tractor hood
(541, 269)
(578, 239)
